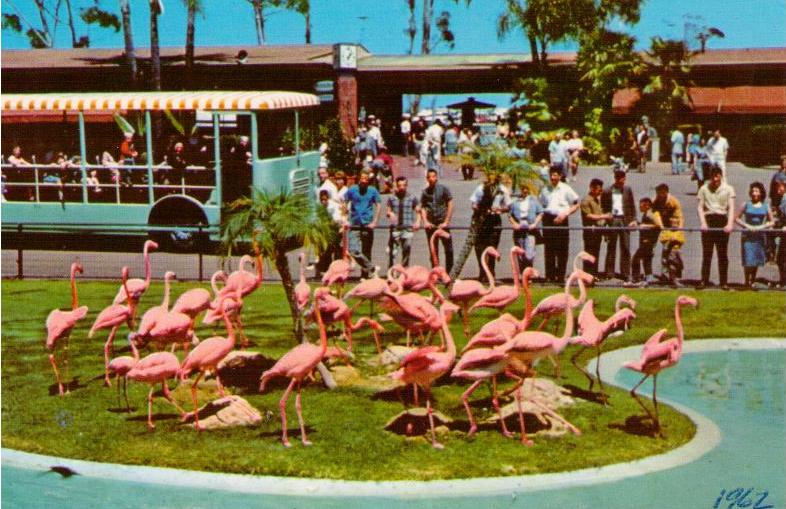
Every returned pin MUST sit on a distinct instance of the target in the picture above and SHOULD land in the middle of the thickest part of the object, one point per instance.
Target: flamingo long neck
(582, 291)
(134, 351)
(322, 331)
(514, 262)
(432, 285)
(146, 255)
(74, 296)
(678, 324)
(451, 345)
(129, 301)
(489, 276)
(228, 322)
(219, 274)
(569, 309)
(432, 245)
(527, 299)
(165, 302)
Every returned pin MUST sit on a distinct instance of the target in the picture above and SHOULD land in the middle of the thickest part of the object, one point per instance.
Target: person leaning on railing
(559, 201)
(671, 237)
(716, 214)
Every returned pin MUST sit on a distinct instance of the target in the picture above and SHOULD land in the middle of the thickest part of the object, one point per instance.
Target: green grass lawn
(346, 425)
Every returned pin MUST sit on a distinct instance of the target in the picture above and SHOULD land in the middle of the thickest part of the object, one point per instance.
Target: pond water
(739, 463)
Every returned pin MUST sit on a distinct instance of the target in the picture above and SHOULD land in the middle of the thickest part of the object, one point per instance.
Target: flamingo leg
(409, 338)
(600, 382)
(65, 363)
(282, 407)
(519, 390)
(543, 323)
(53, 362)
(125, 393)
(108, 351)
(465, 398)
(495, 402)
(655, 402)
(241, 332)
(168, 396)
(348, 332)
(638, 400)
(574, 359)
(434, 443)
(220, 385)
(300, 419)
(150, 424)
(197, 427)
(465, 318)
(557, 367)
(415, 392)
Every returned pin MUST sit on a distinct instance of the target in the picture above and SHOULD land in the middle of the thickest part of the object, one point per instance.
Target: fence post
(20, 265)
(200, 257)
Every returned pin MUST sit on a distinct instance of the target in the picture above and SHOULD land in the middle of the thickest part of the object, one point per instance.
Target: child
(649, 229)
(544, 170)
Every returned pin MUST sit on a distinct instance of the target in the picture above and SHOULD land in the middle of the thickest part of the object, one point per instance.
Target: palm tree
(666, 78)
(513, 172)
(279, 223)
(155, 50)
(302, 7)
(125, 12)
(193, 7)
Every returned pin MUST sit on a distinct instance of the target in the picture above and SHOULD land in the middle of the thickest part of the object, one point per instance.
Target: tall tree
(43, 34)
(259, 20)
(155, 50)
(128, 39)
(302, 7)
(665, 75)
(192, 8)
(412, 26)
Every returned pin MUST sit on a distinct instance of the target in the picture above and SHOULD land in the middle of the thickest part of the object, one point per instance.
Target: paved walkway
(107, 265)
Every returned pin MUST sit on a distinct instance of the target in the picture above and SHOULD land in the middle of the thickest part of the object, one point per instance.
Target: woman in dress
(754, 216)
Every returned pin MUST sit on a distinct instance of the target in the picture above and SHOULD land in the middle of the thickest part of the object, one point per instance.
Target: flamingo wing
(109, 317)
(192, 302)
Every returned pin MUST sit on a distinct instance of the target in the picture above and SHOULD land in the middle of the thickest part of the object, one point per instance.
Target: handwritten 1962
(740, 497)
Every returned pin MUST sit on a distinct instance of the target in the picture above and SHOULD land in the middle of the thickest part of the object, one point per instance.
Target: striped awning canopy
(113, 101)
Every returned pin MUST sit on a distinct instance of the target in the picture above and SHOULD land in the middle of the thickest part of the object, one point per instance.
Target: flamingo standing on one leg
(296, 365)
(501, 296)
(501, 329)
(205, 357)
(112, 317)
(59, 325)
(465, 291)
(302, 290)
(156, 368)
(136, 287)
(592, 333)
(658, 355)
(425, 365)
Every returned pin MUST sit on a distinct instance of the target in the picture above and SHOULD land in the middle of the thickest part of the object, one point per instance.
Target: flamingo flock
(505, 347)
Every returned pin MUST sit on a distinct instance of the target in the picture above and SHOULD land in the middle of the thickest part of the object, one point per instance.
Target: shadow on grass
(294, 433)
(72, 386)
(593, 397)
(639, 425)
(156, 417)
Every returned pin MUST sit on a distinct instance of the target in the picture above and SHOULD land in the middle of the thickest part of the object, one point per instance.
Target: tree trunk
(190, 28)
(155, 50)
(125, 11)
(428, 11)
(71, 24)
(307, 15)
(533, 49)
(282, 266)
(259, 21)
(469, 244)
(412, 29)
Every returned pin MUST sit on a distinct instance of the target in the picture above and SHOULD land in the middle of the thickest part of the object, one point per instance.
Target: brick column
(347, 99)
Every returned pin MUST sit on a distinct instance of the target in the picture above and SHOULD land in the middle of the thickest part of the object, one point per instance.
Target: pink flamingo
(417, 277)
(172, 328)
(425, 365)
(296, 365)
(156, 368)
(413, 312)
(152, 315)
(500, 330)
(371, 289)
(592, 332)
(501, 296)
(554, 305)
(194, 301)
(112, 317)
(528, 347)
(302, 290)
(205, 357)
(623, 326)
(658, 355)
(336, 310)
(339, 270)
(244, 280)
(120, 366)
(137, 287)
(465, 291)
(59, 325)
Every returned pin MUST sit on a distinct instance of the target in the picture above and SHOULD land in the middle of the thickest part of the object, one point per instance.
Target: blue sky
(379, 25)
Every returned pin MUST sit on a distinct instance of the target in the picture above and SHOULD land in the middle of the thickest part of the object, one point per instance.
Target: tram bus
(233, 144)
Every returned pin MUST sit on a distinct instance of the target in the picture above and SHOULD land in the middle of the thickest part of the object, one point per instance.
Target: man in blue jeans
(365, 204)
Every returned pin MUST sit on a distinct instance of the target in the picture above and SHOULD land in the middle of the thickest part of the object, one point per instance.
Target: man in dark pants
(559, 201)
(365, 205)
(489, 201)
(436, 209)
(716, 213)
(592, 217)
(617, 200)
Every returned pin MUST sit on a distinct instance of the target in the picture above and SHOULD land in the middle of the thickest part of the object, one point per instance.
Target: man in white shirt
(375, 134)
(406, 134)
(325, 184)
(433, 146)
(717, 149)
(559, 201)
